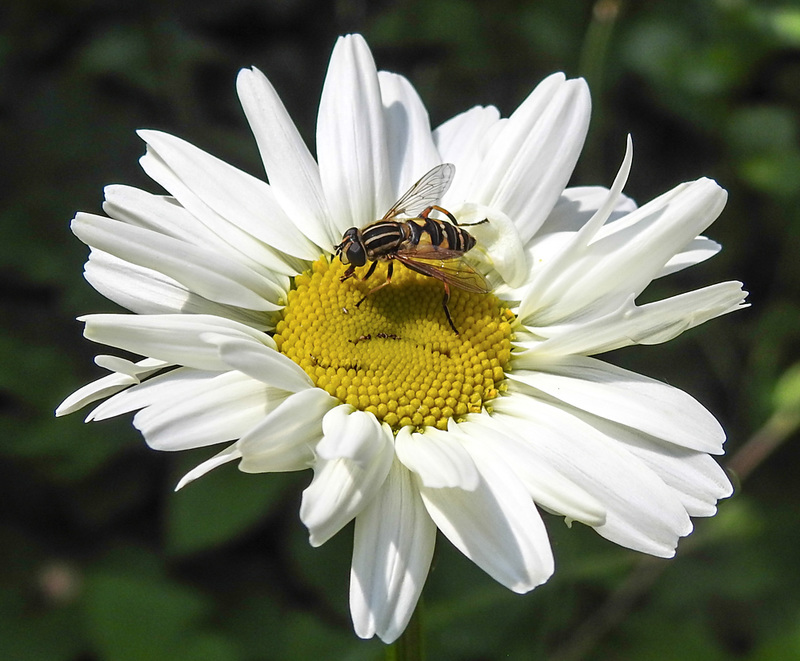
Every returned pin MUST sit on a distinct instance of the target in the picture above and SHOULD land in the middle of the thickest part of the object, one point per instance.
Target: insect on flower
(427, 245)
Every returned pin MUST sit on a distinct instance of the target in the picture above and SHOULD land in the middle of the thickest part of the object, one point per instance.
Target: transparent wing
(446, 265)
(426, 192)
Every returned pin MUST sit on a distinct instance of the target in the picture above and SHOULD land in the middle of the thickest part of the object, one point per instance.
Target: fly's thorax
(383, 238)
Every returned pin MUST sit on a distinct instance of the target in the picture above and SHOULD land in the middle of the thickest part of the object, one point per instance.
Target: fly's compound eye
(351, 249)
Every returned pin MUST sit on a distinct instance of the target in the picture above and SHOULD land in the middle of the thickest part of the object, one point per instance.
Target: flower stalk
(409, 647)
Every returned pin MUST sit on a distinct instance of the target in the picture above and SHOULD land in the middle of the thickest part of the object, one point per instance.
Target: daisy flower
(250, 337)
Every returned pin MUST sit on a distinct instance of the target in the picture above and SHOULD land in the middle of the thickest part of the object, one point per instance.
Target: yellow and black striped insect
(429, 246)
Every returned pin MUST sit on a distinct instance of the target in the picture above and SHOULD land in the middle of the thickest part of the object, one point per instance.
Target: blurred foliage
(101, 561)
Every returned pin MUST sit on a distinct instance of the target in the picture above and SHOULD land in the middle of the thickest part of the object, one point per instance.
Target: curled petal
(285, 439)
(350, 434)
(437, 458)
(341, 488)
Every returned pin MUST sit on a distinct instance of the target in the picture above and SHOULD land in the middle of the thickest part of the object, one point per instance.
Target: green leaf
(785, 21)
(773, 173)
(786, 645)
(134, 613)
(787, 391)
(761, 129)
(36, 632)
(220, 507)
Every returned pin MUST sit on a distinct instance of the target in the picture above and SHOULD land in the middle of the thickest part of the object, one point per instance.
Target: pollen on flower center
(395, 355)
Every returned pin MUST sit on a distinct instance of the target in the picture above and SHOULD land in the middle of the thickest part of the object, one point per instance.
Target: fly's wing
(446, 265)
(425, 193)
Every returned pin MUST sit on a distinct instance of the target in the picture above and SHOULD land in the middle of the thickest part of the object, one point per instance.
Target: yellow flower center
(395, 355)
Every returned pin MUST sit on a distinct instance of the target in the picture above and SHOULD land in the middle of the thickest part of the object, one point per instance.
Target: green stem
(409, 646)
(598, 38)
(592, 66)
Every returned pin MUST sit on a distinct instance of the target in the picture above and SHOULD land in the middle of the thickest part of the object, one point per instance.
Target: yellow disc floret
(395, 355)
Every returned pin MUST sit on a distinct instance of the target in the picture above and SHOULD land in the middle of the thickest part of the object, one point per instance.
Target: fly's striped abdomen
(440, 234)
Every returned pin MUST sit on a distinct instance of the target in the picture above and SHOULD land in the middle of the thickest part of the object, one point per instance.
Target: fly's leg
(351, 271)
(480, 222)
(370, 271)
(449, 215)
(380, 286)
(445, 300)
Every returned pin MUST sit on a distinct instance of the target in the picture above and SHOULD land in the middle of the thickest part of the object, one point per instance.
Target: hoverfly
(429, 246)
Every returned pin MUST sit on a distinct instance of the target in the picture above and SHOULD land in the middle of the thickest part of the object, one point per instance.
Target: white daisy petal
(293, 174)
(696, 479)
(495, 525)
(285, 439)
(107, 386)
(228, 229)
(698, 250)
(262, 362)
(148, 292)
(642, 513)
(228, 406)
(165, 215)
(159, 388)
(463, 140)
(532, 158)
(351, 138)
(652, 323)
(231, 193)
(341, 488)
(199, 269)
(231, 453)
(548, 488)
(408, 132)
(438, 459)
(349, 434)
(624, 397)
(137, 289)
(125, 366)
(392, 552)
(159, 213)
(191, 340)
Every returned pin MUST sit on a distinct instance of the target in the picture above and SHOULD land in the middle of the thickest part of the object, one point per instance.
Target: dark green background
(101, 561)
